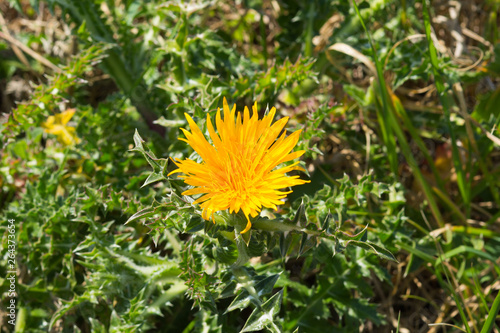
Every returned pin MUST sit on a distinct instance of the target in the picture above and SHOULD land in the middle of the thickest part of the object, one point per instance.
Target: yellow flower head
(57, 125)
(238, 169)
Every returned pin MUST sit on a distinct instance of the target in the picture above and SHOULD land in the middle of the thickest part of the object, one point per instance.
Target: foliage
(400, 128)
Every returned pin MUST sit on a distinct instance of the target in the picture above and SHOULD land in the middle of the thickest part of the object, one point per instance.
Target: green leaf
(20, 149)
(157, 176)
(169, 122)
(156, 229)
(374, 248)
(263, 286)
(357, 237)
(358, 94)
(300, 218)
(287, 240)
(183, 32)
(196, 223)
(488, 106)
(263, 317)
(308, 241)
(326, 223)
(150, 157)
(492, 314)
(226, 252)
(159, 165)
(146, 212)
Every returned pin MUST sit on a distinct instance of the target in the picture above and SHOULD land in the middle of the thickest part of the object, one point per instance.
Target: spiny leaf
(374, 248)
(300, 218)
(263, 286)
(308, 241)
(356, 237)
(157, 176)
(146, 212)
(326, 223)
(148, 154)
(263, 317)
(159, 165)
(156, 229)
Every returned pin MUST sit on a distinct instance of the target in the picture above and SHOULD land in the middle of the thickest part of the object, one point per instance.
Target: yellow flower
(238, 169)
(57, 125)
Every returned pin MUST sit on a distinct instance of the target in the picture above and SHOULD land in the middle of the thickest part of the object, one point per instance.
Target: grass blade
(490, 320)
(463, 185)
(389, 123)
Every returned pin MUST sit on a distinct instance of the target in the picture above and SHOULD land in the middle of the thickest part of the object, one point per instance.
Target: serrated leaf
(338, 247)
(256, 248)
(159, 165)
(326, 223)
(290, 241)
(374, 248)
(146, 212)
(356, 237)
(285, 242)
(263, 285)
(195, 224)
(155, 176)
(226, 255)
(300, 218)
(263, 317)
(307, 240)
(148, 154)
(156, 230)
(229, 290)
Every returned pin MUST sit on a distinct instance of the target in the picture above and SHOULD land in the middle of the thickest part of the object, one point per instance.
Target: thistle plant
(391, 145)
(240, 168)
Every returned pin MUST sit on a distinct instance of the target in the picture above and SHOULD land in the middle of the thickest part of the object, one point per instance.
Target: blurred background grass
(406, 92)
